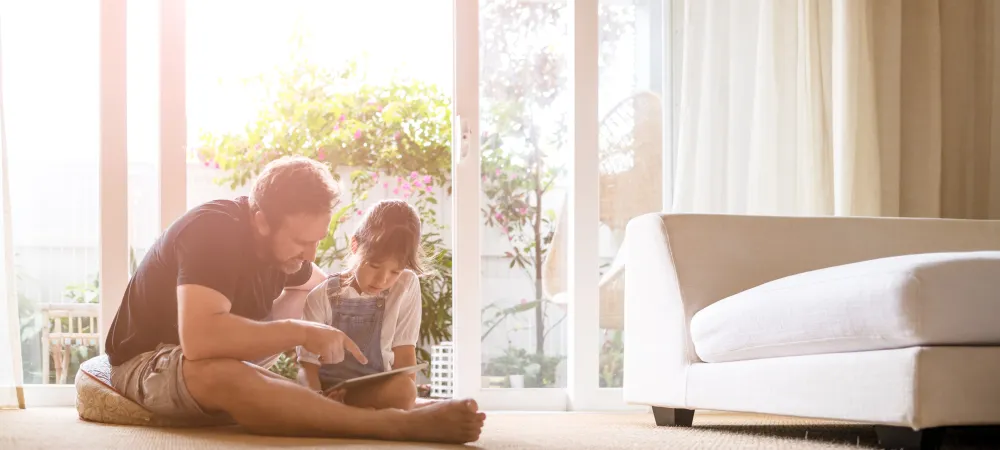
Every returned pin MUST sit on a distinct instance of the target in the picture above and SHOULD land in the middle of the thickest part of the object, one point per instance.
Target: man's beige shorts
(155, 380)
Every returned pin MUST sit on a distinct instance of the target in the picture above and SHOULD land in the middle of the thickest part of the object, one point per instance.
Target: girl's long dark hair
(389, 229)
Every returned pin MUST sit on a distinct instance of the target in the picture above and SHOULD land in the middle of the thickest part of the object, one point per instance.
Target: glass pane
(52, 117)
(631, 148)
(524, 115)
(316, 78)
(143, 53)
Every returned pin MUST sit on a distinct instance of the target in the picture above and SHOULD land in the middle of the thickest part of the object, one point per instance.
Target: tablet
(374, 378)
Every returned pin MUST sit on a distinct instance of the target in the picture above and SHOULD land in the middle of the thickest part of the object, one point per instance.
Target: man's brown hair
(294, 185)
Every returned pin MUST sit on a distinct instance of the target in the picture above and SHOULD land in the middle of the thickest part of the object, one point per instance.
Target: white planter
(442, 370)
(517, 381)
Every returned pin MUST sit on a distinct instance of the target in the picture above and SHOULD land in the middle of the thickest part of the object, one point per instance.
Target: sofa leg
(666, 417)
(909, 439)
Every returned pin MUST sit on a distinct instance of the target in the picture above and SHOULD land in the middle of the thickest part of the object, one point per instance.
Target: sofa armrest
(657, 344)
(679, 264)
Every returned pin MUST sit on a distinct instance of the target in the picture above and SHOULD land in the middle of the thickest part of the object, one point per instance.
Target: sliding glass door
(561, 105)
(53, 153)
(511, 111)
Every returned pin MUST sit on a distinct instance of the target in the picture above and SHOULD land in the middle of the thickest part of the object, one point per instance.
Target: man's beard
(288, 266)
(291, 266)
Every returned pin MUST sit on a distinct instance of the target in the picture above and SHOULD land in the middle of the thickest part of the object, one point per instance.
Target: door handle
(464, 136)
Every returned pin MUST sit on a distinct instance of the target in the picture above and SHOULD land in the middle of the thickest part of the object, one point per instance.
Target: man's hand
(329, 343)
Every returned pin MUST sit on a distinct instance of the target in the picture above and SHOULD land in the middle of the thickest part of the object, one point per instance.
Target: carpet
(47, 428)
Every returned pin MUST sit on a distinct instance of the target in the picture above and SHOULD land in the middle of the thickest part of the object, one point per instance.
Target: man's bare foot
(451, 421)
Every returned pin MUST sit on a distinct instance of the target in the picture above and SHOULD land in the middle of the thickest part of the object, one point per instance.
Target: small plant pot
(517, 381)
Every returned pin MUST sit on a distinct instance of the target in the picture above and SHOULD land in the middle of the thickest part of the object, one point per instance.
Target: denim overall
(361, 320)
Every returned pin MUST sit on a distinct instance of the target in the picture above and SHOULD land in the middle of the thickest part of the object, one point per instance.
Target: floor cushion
(904, 301)
(97, 401)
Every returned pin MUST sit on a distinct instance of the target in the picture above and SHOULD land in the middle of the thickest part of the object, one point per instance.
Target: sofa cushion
(904, 301)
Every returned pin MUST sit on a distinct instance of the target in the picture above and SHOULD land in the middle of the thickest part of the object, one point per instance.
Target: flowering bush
(340, 119)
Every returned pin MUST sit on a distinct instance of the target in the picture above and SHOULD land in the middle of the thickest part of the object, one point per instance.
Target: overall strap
(335, 289)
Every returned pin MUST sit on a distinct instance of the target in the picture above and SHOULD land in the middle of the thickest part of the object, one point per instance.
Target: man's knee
(208, 379)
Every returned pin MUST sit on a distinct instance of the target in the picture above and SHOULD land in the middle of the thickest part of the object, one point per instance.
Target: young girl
(376, 303)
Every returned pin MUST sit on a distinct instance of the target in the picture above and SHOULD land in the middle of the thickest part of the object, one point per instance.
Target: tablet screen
(375, 378)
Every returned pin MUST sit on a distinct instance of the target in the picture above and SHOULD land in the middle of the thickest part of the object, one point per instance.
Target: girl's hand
(337, 395)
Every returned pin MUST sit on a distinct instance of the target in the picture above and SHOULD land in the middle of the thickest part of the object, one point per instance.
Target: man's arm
(291, 302)
(208, 330)
(208, 252)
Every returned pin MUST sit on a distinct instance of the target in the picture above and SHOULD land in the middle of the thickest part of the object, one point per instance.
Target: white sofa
(816, 317)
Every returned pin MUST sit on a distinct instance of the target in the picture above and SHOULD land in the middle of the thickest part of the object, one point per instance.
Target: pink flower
(522, 210)
(427, 179)
(359, 212)
(498, 172)
(499, 216)
(357, 134)
(385, 185)
(414, 175)
(484, 178)
(379, 109)
(374, 176)
(207, 163)
(395, 191)
(342, 118)
(406, 186)
(216, 164)
(321, 155)
(396, 136)
(336, 127)
(428, 188)
(524, 301)
(418, 184)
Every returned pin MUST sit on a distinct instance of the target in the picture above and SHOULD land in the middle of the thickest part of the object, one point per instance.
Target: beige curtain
(847, 107)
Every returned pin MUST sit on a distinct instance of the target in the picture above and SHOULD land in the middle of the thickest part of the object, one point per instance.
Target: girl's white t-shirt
(400, 321)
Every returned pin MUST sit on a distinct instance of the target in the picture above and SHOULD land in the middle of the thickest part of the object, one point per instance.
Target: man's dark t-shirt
(212, 245)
